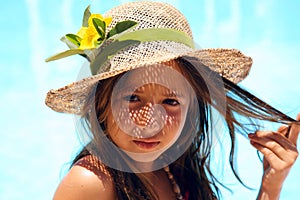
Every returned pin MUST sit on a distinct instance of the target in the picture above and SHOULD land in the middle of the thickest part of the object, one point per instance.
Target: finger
(298, 117)
(283, 130)
(269, 157)
(275, 137)
(271, 144)
(276, 142)
(294, 131)
(275, 160)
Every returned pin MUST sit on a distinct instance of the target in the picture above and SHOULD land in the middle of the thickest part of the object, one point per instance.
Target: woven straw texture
(229, 63)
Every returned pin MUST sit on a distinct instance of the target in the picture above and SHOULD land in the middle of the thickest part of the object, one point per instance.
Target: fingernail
(250, 135)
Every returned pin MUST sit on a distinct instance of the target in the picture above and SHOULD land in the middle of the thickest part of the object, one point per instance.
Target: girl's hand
(280, 153)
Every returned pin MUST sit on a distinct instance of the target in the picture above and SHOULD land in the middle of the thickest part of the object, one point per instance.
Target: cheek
(115, 133)
(173, 119)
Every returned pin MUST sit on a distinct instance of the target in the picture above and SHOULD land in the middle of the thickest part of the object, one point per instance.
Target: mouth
(146, 144)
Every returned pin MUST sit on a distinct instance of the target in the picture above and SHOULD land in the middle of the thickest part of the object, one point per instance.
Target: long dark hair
(194, 165)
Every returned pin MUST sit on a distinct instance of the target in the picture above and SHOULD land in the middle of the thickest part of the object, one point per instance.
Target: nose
(143, 116)
(149, 119)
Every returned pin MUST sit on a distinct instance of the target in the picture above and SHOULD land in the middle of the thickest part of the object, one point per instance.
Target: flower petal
(98, 16)
(81, 33)
(107, 20)
(89, 38)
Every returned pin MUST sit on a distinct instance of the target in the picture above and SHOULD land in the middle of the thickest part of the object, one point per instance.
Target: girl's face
(148, 109)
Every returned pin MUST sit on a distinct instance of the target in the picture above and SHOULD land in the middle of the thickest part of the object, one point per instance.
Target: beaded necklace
(176, 188)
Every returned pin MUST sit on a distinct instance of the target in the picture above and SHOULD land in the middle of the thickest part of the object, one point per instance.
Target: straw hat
(162, 34)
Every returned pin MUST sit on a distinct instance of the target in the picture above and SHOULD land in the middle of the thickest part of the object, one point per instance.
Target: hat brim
(229, 63)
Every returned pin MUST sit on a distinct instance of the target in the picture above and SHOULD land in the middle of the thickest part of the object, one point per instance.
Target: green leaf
(99, 41)
(120, 27)
(100, 26)
(86, 17)
(65, 54)
(109, 51)
(68, 43)
(75, 39)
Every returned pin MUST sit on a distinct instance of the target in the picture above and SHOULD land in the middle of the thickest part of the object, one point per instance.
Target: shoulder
(86, 180)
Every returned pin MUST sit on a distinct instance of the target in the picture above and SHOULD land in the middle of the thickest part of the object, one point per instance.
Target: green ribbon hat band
(155, 34)
(127, 39)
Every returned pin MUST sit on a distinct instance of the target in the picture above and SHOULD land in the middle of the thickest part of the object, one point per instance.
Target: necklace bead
(176, 187)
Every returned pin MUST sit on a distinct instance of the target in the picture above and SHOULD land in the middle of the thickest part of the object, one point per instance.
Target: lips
(146, 144)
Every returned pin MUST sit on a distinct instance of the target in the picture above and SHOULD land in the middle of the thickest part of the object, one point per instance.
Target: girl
(150, 110)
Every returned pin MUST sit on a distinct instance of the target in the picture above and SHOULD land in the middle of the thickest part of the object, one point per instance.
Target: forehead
(167, 74)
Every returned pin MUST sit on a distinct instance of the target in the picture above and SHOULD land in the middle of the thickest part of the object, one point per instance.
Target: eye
(171, 102)
(131, 98)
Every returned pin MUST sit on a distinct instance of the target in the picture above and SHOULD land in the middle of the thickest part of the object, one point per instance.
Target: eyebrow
(173, 94)
(165, 94)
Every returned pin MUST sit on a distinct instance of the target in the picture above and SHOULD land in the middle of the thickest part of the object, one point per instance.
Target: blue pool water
(37, 144)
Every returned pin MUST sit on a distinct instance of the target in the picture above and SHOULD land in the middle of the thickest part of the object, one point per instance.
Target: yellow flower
(98, 16)
(89, 35)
